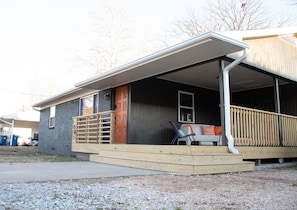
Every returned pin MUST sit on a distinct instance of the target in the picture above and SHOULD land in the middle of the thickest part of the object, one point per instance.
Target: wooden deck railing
(249, 127)
(289, 130)
(94, 129)
(252, 127)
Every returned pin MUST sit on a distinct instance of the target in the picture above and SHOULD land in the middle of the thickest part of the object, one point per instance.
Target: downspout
(227, 113)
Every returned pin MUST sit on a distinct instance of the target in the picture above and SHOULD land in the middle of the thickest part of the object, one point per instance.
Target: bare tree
(117, 42)
(227, 15)
(114, 31)
(190, 26)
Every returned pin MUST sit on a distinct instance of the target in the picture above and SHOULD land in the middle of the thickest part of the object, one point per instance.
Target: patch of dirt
(28, 154)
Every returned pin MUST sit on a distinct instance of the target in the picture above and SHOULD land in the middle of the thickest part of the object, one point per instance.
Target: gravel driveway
(263, 189)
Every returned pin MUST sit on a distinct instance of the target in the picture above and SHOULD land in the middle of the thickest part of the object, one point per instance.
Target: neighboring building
(205, 80)
(22, 124)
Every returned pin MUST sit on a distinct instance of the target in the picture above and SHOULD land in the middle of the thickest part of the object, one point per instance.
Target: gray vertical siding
(105, 102)
(58, 140)
(263, 99)
(288, 99)
(154, 102)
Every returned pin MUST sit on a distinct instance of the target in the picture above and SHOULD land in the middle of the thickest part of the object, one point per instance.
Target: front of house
(245, 84)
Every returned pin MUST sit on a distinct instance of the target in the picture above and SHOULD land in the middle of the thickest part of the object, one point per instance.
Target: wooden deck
(169, 158)
(252, 153)
(256, 136)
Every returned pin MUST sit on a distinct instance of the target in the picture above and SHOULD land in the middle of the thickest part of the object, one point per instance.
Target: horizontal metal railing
(253, 127)
(94, 129)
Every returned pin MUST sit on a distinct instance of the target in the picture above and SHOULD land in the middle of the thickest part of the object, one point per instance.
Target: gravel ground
(263, 189)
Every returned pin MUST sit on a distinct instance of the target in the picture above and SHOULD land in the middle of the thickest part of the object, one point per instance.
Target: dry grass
(22, 154)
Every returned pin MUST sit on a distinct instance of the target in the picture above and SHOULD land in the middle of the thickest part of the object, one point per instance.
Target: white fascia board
(65, 96)
(191, 43)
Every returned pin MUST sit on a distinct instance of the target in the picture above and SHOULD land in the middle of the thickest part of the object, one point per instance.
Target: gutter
(126, 73)
(227, 112)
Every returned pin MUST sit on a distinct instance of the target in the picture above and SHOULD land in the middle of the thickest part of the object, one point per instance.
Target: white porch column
(11, 132)
(278, 109)
(226, 99)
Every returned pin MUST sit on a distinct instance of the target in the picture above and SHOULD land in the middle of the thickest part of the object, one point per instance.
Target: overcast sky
(41, 39)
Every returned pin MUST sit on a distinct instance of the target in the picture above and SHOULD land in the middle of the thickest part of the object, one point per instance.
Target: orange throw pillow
(218, 130)
(208, 130)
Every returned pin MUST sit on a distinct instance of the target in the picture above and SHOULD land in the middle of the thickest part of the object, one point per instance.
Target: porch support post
(226, 98)
(11, 135)
(278, 110)
(222, 107)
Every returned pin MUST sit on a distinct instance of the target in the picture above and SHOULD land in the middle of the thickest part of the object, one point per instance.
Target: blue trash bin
(14, 140)
(3, 140)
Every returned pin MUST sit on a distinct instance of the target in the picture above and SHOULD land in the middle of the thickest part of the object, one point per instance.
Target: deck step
(196, 158)
(184, 164)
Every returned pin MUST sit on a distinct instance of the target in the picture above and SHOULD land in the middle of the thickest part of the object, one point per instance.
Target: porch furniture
(205, 134)
(179, 134)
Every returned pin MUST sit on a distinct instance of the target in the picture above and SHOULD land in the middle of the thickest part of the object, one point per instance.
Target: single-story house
(243, 82)
(23, 124)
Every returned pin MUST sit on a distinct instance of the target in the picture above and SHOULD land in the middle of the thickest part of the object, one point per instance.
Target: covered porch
(258, 135)
(250, 127)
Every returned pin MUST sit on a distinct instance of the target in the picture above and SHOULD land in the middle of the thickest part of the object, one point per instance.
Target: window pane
(52, 122)
(82, 104)
(53, 111)
(89, 104)
(52, 117)
(186, 109)
(186, 115)
(96, 103)
(186, 100)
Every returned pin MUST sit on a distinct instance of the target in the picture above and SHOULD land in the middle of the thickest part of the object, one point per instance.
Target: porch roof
(68, 95)
(205, 47)
(30, 116)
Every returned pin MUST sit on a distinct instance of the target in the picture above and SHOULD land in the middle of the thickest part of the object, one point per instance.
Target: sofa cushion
(218, 130)
(208, 130)
(203, 139)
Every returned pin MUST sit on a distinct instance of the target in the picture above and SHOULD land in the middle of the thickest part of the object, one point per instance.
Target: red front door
(121, 99)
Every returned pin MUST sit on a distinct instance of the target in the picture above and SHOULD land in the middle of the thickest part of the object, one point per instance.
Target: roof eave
(196, 41)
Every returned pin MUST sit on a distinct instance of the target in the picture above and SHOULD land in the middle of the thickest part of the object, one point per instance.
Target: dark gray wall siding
(58, 140)
(288, 99)
(264, 99)
(105, 102)
(258, 99)
(154, 102)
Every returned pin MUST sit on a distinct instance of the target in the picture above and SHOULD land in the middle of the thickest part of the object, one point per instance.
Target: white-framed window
(89, 104)
(186, 107)
(52, 117)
